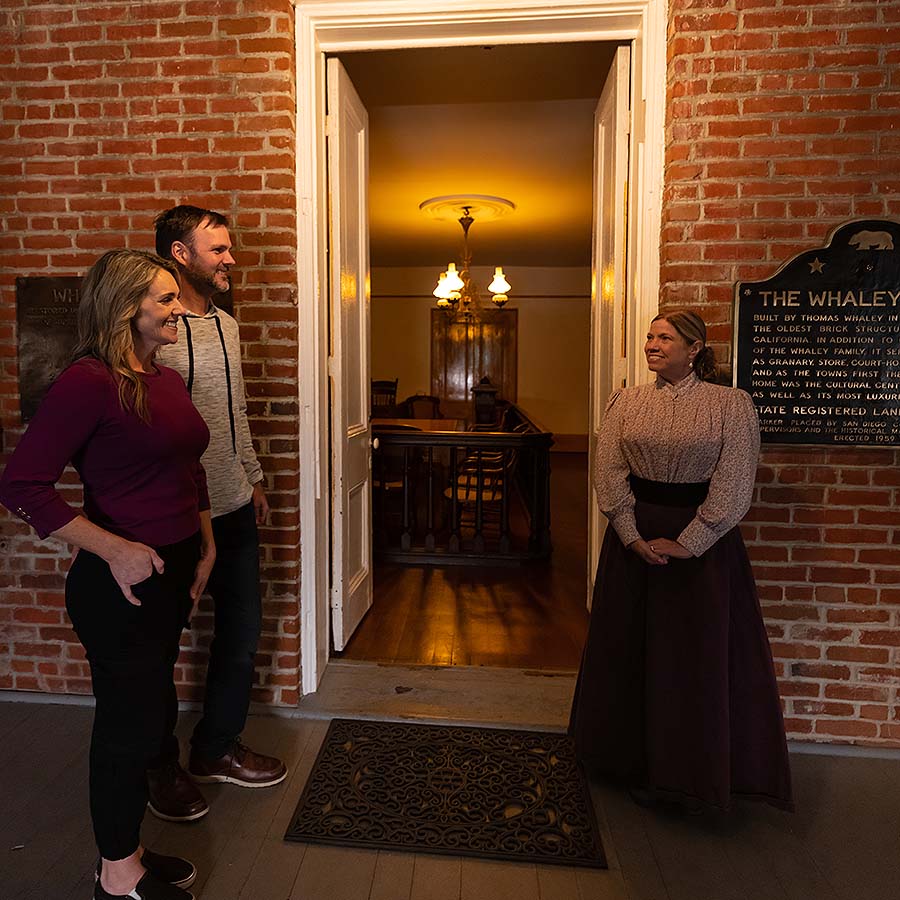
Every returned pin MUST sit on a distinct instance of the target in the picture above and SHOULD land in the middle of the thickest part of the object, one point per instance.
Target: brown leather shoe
(239, 766)
(173, 796)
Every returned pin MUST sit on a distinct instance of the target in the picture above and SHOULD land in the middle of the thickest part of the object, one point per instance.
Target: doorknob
(374, 443)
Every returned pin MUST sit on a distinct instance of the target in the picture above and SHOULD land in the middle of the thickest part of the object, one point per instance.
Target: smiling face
(668, 354)
(206, 258)
(156, 321)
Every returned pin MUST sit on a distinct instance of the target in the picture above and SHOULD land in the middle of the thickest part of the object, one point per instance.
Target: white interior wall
(554, 334)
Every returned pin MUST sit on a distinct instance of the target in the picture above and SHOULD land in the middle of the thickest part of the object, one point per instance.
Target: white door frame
(345, 25)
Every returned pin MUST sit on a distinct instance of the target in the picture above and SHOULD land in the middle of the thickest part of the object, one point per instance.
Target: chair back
(423, 406)
(384, 393)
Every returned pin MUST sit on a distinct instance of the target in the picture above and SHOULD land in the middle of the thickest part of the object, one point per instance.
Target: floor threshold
(464, 695)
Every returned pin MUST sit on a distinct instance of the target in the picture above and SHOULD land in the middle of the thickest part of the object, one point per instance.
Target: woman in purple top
(144, 540)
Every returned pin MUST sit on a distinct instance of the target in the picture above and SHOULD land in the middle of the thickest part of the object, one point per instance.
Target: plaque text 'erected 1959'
(817, 346)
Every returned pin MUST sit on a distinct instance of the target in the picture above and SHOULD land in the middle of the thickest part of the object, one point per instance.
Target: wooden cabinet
(462, 353)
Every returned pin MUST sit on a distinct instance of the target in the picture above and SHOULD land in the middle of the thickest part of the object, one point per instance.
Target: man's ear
(180, 252)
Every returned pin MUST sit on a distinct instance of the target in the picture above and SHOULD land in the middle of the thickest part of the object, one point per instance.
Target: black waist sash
(665, 493)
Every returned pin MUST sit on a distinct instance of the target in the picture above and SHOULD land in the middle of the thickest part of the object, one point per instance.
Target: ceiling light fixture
(456, 292)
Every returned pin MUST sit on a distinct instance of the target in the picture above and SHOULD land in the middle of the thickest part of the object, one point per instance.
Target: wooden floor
(842, 844)
(532, 616)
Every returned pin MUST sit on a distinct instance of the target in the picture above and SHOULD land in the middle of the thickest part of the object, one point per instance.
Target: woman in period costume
(676, 694)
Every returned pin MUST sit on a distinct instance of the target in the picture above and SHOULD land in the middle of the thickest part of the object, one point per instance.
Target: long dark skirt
(677, 689)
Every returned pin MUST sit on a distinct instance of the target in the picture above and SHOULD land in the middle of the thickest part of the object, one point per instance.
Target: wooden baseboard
(570, 443)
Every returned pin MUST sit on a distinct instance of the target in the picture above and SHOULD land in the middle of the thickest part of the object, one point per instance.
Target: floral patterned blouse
(687, 432)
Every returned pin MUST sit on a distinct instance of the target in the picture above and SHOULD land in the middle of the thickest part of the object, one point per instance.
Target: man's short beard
(204, 284)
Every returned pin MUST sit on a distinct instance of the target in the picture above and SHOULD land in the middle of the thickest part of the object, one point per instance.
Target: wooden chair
(423, 406)
(384, 395)
(482, 495)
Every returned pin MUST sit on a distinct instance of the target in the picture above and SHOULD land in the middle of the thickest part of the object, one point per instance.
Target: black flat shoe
(148, 888)
(170, 869)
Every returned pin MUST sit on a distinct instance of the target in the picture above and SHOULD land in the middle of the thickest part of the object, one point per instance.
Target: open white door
(608, 291)
(351, 515)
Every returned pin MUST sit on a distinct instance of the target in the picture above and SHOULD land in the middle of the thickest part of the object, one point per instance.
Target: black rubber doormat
(487, 792)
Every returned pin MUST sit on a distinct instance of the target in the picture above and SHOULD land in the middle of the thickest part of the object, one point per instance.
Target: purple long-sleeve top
(142, 481)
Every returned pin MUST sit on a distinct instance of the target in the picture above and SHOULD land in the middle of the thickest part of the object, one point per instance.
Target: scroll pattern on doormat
(458, 790)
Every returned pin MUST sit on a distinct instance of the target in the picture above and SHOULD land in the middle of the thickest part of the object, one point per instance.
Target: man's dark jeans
(234, 586)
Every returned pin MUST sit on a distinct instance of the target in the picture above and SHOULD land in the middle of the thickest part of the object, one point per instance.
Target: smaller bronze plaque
(46, 309)
(46, 316)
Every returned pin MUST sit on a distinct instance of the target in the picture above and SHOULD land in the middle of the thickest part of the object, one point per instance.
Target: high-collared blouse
(686, 432)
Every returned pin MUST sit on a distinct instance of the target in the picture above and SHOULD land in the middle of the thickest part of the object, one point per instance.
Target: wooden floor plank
(693, 853)
(436, 878)
(45, 743)
(797, 874)
(483, 879)
(45, 808)
(627, 846)
(45, 866)
(12, 717)
(595, 884)
(335, 873)
(240, 853)
(393, 876)
(557, 883)
(850, 791)
(274, 872)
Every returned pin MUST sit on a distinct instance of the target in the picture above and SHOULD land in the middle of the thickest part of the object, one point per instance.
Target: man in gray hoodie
(208, 356)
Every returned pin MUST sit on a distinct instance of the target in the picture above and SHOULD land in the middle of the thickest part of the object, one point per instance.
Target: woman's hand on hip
(643, 549)
(132, 563)
(669, 549)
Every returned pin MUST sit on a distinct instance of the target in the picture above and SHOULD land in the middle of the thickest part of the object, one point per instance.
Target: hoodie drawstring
(190, 378)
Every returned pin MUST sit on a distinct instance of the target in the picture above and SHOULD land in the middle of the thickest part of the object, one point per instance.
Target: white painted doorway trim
(325, 26)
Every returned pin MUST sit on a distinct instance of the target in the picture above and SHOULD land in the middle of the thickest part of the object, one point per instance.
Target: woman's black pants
(132, 652)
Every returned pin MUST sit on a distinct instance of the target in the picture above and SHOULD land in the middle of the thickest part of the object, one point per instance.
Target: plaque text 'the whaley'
(817, 345)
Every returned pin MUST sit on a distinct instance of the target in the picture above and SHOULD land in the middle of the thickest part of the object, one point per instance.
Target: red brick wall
(784, 121)
(112, 112)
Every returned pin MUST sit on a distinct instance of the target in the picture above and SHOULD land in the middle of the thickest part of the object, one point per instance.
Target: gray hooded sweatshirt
(208, 358)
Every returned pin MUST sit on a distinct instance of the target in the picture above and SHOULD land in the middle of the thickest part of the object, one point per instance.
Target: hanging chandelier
(456, 291)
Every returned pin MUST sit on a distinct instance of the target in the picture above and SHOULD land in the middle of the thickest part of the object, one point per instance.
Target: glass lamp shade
(499, 285)
(444, 303)
(442, 292)
(453, 282)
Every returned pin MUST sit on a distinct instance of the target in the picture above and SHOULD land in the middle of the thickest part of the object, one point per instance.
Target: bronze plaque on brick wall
(45, 316)
(46, 320)
(817, 345)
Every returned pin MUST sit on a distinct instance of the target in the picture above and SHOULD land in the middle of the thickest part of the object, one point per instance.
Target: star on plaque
(747, 292)
(816, 266)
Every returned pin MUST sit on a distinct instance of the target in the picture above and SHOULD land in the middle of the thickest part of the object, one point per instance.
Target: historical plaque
(817, 345)
(46, 309)
(45, 315)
